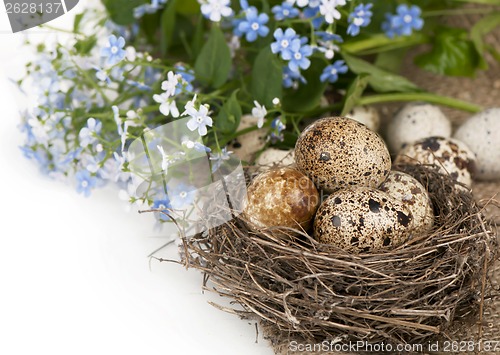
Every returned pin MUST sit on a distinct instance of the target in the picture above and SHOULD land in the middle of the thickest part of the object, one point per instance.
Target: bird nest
(301, 289)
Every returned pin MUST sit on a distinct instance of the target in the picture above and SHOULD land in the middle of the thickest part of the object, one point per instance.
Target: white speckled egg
(450, 155)
(366, 115)
(416, 121)
(362, 219)
(337, 152)
(281, 197)
(413, 194)
(481, 133)
(276, 157)
(246, 145)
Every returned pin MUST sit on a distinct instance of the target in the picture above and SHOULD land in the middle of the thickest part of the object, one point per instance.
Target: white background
(74, 273)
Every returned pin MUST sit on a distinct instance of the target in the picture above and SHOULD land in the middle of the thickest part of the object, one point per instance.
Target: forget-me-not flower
(253, 25)
(360, 17)
(219, 157)
(403, 22)
(167, 105)
(182, 196)
(85, 182)
(285, 10)
(163, 206)
(199, 118)
(170, 85)
(215, 10)
(286, 43)
(300, 58)
(87, 134)
(291, 78)
(259, 112)
(331, 72)
(114, 51)
(328, 8)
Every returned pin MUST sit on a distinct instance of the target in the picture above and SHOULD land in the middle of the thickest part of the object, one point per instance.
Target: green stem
(380, 40)
(432, 98)
(457, 12)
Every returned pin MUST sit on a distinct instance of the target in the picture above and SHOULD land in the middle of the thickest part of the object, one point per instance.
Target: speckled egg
(416, 121)
(450, 155)
(281, 197)
(276, 157)
(337, 152)
(246, 145)
(481, 133)
(362, 219)
(414, 195)
(366, 115)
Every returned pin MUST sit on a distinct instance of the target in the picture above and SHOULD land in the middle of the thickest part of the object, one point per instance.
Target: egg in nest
(337, 152)
(362, 219)
(281, 197)
(414, 195)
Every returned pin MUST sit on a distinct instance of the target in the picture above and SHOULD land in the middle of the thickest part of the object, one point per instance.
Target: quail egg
(281, 197)
(246, 145)
(337, 152)
(366, 115)
(362, 219)
(450, 155)
(272, 156)
(481, 133)
(416, 121)
(414, 195)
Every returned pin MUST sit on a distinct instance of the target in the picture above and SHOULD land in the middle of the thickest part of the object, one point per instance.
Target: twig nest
(273, 157)
(416, 121)
(412, 194)
(452, 157)
(281, 197)
(337, 152)
(362, 219)
(247, 145)
(481, 133)
(366, 115)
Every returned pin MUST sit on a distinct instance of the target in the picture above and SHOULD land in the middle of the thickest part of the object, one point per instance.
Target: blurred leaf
(453, 53)
(267, 77)
(355, 92)
(479, 30)
(197, 41)
(229, 117)
(308, 96)
(391, 60)
(486, 2)
(214, 62)
(380, 80)
(76, 23)
(188, 7)
(122, 11)
(167, 26)
(85, 45)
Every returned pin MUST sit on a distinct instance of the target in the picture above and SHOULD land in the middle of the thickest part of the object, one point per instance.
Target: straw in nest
(303, 290)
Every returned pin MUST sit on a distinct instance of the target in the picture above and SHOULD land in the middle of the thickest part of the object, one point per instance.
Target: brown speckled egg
(337, 152)
(450, 155)
(362, 219)
(414, 195)
(281, 197)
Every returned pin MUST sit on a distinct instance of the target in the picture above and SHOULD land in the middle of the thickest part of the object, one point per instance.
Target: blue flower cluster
(404, 22)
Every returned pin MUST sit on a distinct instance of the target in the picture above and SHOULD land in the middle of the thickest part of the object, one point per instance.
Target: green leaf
(85, 45)
(214, 62)
(355, 92)
(486, 2)
(479, 30)
(188, 7)
(267, 76)
(380, 80)
(308, 96)
(229, 117)
(76, 23)
(453, 54)
(167, 26)
(122, 11)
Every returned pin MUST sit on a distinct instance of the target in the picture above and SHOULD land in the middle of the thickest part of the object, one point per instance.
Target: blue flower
(331, 72)
(187, 78)
(219, 157)
(253, 25)
(291, 78)
(328, 36)
(88, 134)
(404, 22)
(286, 43)
(163, 206)
(85, 182)
(155, 5)
(114, 51)
(285, 10)
(360, 17)
(182, 196)
(312, 12)
(277, 128)
(300, 58)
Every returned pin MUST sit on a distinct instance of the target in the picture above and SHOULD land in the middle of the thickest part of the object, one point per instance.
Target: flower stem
(428, 97)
